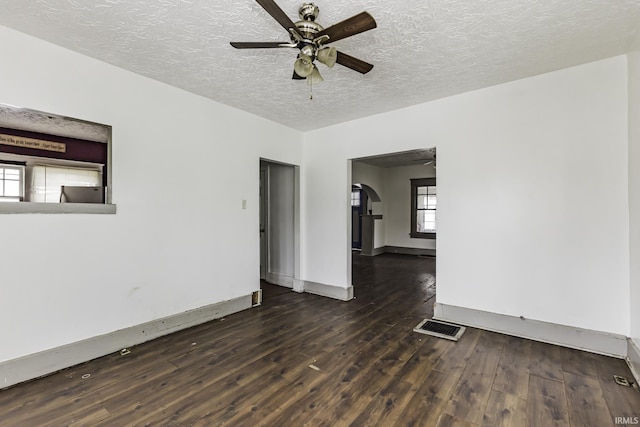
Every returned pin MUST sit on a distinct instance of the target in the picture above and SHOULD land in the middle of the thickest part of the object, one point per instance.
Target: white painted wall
(634, 191)
(178, 242)
(533, 202)
(398, 208)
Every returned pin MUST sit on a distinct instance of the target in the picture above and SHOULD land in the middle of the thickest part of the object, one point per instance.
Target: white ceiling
(37, 121)
(403, 158)
(421, 50)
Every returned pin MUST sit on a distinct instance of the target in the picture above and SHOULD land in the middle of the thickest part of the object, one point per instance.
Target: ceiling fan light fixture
(310, 38)
(328, 56)
(314, 77)
(303, 66)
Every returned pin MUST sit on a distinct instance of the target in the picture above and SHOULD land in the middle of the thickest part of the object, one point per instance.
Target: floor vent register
(440, 329)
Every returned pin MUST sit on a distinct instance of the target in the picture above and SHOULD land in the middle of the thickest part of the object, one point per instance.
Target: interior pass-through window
(48, 160)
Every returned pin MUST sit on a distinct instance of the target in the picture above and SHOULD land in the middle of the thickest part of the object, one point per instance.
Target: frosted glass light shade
(303, 66)
(328, 56)
(314, 77)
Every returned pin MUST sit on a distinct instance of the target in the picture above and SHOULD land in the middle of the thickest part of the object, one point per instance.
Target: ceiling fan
(311, 39)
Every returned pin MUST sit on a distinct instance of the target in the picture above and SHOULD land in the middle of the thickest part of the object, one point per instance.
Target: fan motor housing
(309, 28)
(308, 12)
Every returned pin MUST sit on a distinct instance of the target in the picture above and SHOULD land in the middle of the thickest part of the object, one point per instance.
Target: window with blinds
(47, 181)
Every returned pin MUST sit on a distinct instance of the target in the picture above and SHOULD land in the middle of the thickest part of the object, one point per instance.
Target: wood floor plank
(447, 420)
(72, 415)
(546, 361)
(231, 372)
(587, 405)
(512, 376)
(69, 381)
(385, 408)
(459, 353)
(239, 397)
(426, 359)
(304, 408)
(374, 374)
(505, 410)
(546, 403)
(430, 400)
(471, 396)
(365, 338)
(272, 406)
(307, 380)
(357, 369)
(271, 400)
(580, 362)
(89, 390)
(622, 401)
(225, 401)
(610, 366)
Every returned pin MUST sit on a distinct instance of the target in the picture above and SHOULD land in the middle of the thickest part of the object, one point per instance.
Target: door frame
(264, 221)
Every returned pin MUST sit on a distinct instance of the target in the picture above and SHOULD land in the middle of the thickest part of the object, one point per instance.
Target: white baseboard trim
(633, 359)
(408, 251)
(280, 279)
(567, 336)
(298, 285)
(46, 362)
(336, 292)
(378, 251)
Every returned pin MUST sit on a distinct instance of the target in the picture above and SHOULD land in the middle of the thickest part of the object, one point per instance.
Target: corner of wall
(335, 292)
(633, 359)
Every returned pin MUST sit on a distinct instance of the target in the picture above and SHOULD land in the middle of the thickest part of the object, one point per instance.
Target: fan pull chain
(310, 88)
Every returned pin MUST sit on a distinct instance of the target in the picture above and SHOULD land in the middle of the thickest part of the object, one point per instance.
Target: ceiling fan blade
(278, 14)
(260, 45)
(356, 24)
(353, 63)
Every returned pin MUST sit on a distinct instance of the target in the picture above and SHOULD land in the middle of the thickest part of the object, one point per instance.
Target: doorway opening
(279, 223)
(383, 225)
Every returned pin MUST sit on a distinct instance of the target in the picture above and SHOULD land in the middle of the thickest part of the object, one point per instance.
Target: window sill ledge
(56, 208)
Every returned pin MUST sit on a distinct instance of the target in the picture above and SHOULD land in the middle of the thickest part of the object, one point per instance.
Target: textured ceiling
(422, 50)
(404, 158)
(36, 121)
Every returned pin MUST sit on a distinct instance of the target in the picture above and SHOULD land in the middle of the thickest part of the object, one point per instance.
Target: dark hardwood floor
(305, 360)
(270, 291)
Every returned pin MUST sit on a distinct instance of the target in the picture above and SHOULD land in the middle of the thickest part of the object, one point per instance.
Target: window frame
(356, 196)
(415, 183)
(19, 166)
(28, 207)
